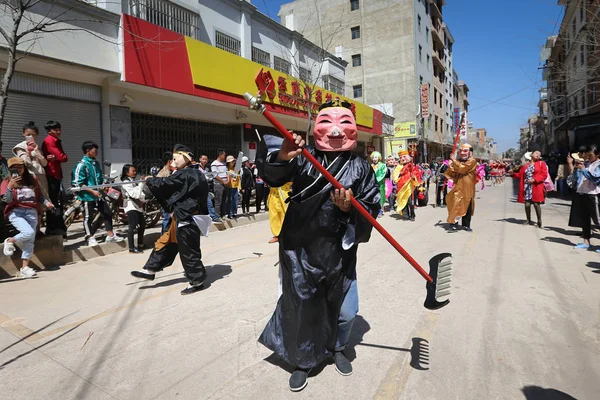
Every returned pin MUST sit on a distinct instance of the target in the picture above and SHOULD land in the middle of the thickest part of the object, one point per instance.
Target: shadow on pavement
(41, 345)
(419, 350)
(513, 221)
(558, 240)
(17, 279)
(36, 332)
(447, 227)
(562, 231)
(213, 273)
(594, 265)
(539, 393)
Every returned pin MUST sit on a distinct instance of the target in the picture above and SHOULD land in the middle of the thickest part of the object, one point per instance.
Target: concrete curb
(51, 252)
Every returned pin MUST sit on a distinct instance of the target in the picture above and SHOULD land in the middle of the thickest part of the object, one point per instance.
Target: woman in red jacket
(531, 188)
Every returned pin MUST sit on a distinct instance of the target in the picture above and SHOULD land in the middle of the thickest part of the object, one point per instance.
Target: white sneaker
(92, 242)
(27, 272)
(113, 239)
(9, 248)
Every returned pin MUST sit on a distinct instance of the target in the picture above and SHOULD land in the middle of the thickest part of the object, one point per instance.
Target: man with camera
(88, 172)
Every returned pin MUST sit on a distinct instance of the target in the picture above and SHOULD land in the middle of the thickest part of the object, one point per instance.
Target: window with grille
(152, 135)
(420, 53)
(305, 75)
(261, 57)
(355, 32)
(356, 60)
(168, 15)
(282, 65)
(357, 91)
(333, 84)
(354, 5)
(227, 43)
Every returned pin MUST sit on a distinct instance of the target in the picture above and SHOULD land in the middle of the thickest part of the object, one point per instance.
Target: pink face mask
(335, 130)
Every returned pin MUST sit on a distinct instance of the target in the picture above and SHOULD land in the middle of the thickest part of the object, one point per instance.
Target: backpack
(548, 184)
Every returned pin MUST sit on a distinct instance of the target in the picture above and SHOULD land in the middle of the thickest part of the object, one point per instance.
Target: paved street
(523, 322)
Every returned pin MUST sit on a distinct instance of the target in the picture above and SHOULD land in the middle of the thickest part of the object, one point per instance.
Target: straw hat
(15, 161)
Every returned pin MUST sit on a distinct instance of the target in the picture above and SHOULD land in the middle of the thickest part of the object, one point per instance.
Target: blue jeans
(561, 186)
(347, 315)
(211, 209)
(25, 221)
(233, 201)
(166, 220)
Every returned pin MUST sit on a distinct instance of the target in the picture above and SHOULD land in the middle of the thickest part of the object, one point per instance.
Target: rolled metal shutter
(80, 121)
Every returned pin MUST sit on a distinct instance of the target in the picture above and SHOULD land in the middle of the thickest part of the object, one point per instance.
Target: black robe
(185, 194)
(316, 269)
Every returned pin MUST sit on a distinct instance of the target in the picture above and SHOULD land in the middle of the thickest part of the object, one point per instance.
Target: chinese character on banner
(265, 83)
(328, 97)
(281, 85)
(456, 119)
(425, 100)
(353, 109)
(463, 127)
(319, 97)
(296, 89)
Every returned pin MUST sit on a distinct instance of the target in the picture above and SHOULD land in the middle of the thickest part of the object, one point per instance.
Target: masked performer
(406, 181)
(380, 172)
(318, 244)
(183, 194)
(461, 199)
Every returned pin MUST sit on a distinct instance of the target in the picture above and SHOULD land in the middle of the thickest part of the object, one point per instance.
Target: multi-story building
(572, 72)
(399, 54)
(141, 75)
(524, 137)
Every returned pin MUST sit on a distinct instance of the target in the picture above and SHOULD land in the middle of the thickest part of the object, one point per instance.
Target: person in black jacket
(247, 185)
(183, 194)
(442, 185)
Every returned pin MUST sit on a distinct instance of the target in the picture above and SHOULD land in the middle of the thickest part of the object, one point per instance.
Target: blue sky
(497, 54)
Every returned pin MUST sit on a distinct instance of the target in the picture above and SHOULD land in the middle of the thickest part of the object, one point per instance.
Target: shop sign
(425, 100)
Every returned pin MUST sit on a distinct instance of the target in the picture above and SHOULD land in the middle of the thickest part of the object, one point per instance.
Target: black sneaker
(466, 228)
(342, 364)
(196, 287)
(135, 250)
(144, 274)
(299, 379)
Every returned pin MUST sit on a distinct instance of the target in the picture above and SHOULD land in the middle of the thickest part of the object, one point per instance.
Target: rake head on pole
(440, 270)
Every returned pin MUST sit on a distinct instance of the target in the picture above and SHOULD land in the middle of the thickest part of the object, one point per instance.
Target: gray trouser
(219, 199)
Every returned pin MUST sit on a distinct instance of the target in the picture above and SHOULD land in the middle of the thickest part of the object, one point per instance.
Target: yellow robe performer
(462, 195)
(406, 180)
(278, 207)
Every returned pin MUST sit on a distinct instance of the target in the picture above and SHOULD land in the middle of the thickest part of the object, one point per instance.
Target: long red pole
(354, 202)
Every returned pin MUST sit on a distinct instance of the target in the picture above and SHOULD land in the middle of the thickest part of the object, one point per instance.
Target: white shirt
(133, 191)
(587, 186)
(220, 169)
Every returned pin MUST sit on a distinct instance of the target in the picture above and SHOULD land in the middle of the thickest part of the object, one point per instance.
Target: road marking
(471, 244)
(14, 326)
(396, 378)
(20, 330)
